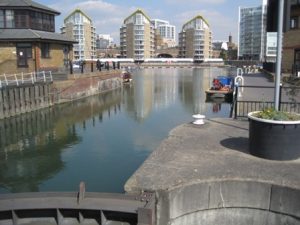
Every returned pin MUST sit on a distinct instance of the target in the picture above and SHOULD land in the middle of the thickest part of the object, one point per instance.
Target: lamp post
(279, 54)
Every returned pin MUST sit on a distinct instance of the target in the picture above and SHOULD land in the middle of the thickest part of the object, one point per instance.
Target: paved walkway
(215, 151)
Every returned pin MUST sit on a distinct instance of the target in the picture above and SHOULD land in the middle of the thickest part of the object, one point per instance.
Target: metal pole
(279, 53)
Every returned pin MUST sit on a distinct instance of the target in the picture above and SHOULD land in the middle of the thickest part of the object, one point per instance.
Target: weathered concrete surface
(204, 173)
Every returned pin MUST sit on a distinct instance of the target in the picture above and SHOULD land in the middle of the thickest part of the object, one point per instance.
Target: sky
(108, 15)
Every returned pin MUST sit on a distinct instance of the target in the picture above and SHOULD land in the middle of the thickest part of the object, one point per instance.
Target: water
(102, 139)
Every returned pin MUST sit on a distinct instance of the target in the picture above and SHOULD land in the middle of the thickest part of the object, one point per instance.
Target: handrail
(25, 78)
(242, 107)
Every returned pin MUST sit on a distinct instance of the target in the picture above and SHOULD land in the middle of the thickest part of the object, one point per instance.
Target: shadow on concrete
(240, 144)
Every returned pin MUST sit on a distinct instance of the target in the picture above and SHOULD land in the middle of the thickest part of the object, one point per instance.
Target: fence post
(22, 75)
(16, 80)
(44, 74)
(32, 78)
(6, 81)
(51, 78)
(236, 101)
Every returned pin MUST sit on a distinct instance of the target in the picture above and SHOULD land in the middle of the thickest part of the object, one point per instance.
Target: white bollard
(198, 119)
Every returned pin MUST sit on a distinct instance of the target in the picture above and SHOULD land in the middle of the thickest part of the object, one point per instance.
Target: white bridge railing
(25, 78)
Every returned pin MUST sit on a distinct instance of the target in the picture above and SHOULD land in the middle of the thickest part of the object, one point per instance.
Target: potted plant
(274, 134)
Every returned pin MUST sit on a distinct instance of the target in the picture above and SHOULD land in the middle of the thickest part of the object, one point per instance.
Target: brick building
(28, 41)
(291, 41)
(291, 30)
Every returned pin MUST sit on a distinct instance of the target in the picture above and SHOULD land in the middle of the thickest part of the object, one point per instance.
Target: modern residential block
(166, 33)
(79, 26)
(137, 37)
(195, 39)
(252, 32)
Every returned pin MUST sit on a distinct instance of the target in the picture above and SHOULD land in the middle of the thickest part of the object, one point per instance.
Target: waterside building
(137, 37)
(79, 26)
(195, 39)
(166, 33)
(28, 41)
(252, 32)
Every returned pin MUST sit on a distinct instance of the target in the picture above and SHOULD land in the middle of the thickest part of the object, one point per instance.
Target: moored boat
(222, 88)
(126, 76)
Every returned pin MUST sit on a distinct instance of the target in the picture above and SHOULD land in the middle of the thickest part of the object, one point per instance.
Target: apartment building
(252, 32)
(137, 37)
(195, 39)
(166, 33)
(79, 26)
(28, 41)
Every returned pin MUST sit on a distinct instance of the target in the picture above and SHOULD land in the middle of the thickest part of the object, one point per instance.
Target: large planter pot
(276, 140)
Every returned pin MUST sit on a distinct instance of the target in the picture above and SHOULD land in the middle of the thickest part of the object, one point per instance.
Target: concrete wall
(228, 203)
(8, 58)
(83, 87)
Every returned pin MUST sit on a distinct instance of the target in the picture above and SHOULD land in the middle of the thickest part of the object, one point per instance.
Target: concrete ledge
(208, 168)
(234, 216)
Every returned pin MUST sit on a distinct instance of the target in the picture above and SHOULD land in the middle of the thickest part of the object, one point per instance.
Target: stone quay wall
(15, 100)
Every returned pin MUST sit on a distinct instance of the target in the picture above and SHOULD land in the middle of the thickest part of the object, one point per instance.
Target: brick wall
(291, 41)
(8, 59)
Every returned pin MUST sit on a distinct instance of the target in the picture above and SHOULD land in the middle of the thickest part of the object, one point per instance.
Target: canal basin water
(103, 139)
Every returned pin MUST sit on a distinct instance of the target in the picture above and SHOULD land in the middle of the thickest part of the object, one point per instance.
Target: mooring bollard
(198, 119)
(81, 192)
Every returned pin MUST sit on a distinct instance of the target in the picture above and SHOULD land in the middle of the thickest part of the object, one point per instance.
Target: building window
(45, 50)
(294, 23)
(24, 52)
(9, 17)
(1, 18)
(21, 19)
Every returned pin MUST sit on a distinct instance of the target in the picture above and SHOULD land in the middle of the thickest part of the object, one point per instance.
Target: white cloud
(220, 24)
(106, 17)
(213, 2)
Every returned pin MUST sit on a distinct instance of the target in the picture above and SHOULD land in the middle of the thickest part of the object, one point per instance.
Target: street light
(279, 54)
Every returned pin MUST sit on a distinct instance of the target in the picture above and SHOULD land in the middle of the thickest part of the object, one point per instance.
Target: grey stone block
(285, 200)
(188, 199)
(235, 216)
(240, 194)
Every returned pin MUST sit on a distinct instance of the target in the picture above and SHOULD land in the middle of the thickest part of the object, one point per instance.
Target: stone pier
(205, 175)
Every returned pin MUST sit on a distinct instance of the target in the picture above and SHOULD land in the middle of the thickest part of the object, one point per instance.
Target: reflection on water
(102, 139)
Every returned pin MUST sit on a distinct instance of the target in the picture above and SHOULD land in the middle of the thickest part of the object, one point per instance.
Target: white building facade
(166, 31)
(137, 37)
(252, 32)
(195, 39)
(80, 27)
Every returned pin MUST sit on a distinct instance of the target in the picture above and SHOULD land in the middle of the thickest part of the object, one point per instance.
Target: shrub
(272, 114)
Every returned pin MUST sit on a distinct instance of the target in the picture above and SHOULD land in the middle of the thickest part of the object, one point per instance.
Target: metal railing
(77, 208)
(241, 107)
(25, 78)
